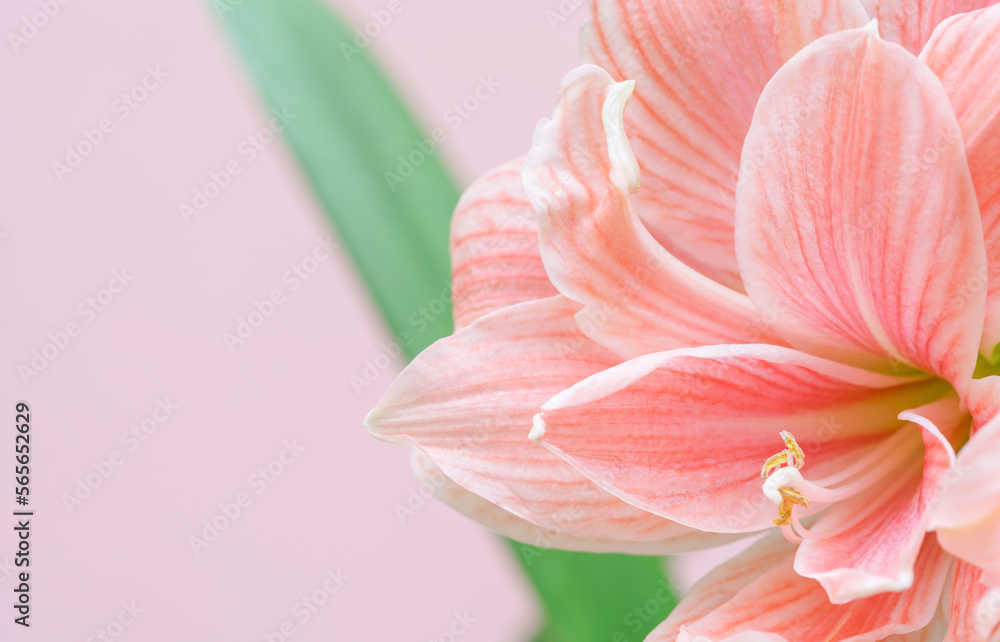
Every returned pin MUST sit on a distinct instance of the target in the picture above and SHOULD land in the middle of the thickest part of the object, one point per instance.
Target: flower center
(785, 486)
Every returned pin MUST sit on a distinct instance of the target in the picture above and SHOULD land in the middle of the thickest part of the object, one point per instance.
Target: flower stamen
(889, 465)
(792, 457)
(789, 496)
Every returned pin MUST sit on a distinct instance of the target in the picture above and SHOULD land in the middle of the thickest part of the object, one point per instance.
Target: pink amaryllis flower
(799, 291)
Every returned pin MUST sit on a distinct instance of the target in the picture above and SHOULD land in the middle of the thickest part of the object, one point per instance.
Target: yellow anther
(789, 496)
(773, 462)
(798, 457)
(792, 455)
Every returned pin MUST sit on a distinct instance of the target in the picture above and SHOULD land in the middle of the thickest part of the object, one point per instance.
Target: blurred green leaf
(350, 128)
(599, 598)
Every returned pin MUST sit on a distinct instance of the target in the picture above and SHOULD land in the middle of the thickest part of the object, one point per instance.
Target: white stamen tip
(537, 428)
(624, 166)
(782, 478)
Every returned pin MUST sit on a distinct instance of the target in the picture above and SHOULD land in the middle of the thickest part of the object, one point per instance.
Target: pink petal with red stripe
(911, 22)
(845, 229)
(973, 610)
(684, 433)
(965, 54)
(878, 532)
(699, 69)
(966, 514)
(781, 602)
(495, 261)
(510, 525)
(467, 402)
(638, 297)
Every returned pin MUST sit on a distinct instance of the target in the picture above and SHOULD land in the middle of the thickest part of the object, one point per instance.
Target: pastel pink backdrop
(332, 506)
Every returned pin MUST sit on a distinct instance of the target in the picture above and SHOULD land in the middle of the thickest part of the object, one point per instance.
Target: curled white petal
(624, 166)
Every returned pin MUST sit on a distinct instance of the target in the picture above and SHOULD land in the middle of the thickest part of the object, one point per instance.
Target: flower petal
(509, 525)
(857, 219)
(973, 610)
(977, 544)
(966, 514)
(684, 433)
(983, 400)
(467, 403)
(877, 553)
(965, 52)
(699, 69)
(638, 298)
(495, 261)
(782, 602)
(933, 632)
(911, 23)
(722, 584)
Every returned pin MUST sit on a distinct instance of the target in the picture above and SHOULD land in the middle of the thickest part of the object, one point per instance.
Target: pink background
(330, 507)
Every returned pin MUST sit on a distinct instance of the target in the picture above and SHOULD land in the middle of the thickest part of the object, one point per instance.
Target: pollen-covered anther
(792, 455)
(783, 485)
(774, 461)
(789, 496)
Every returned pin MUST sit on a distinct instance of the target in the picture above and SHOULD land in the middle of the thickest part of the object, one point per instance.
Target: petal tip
(859, 586)
(624, 166)
(370, 421)
(537, 428)
(374, 423)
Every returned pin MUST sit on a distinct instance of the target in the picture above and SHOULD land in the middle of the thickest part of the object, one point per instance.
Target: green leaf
(599, 598)
(349, 129)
